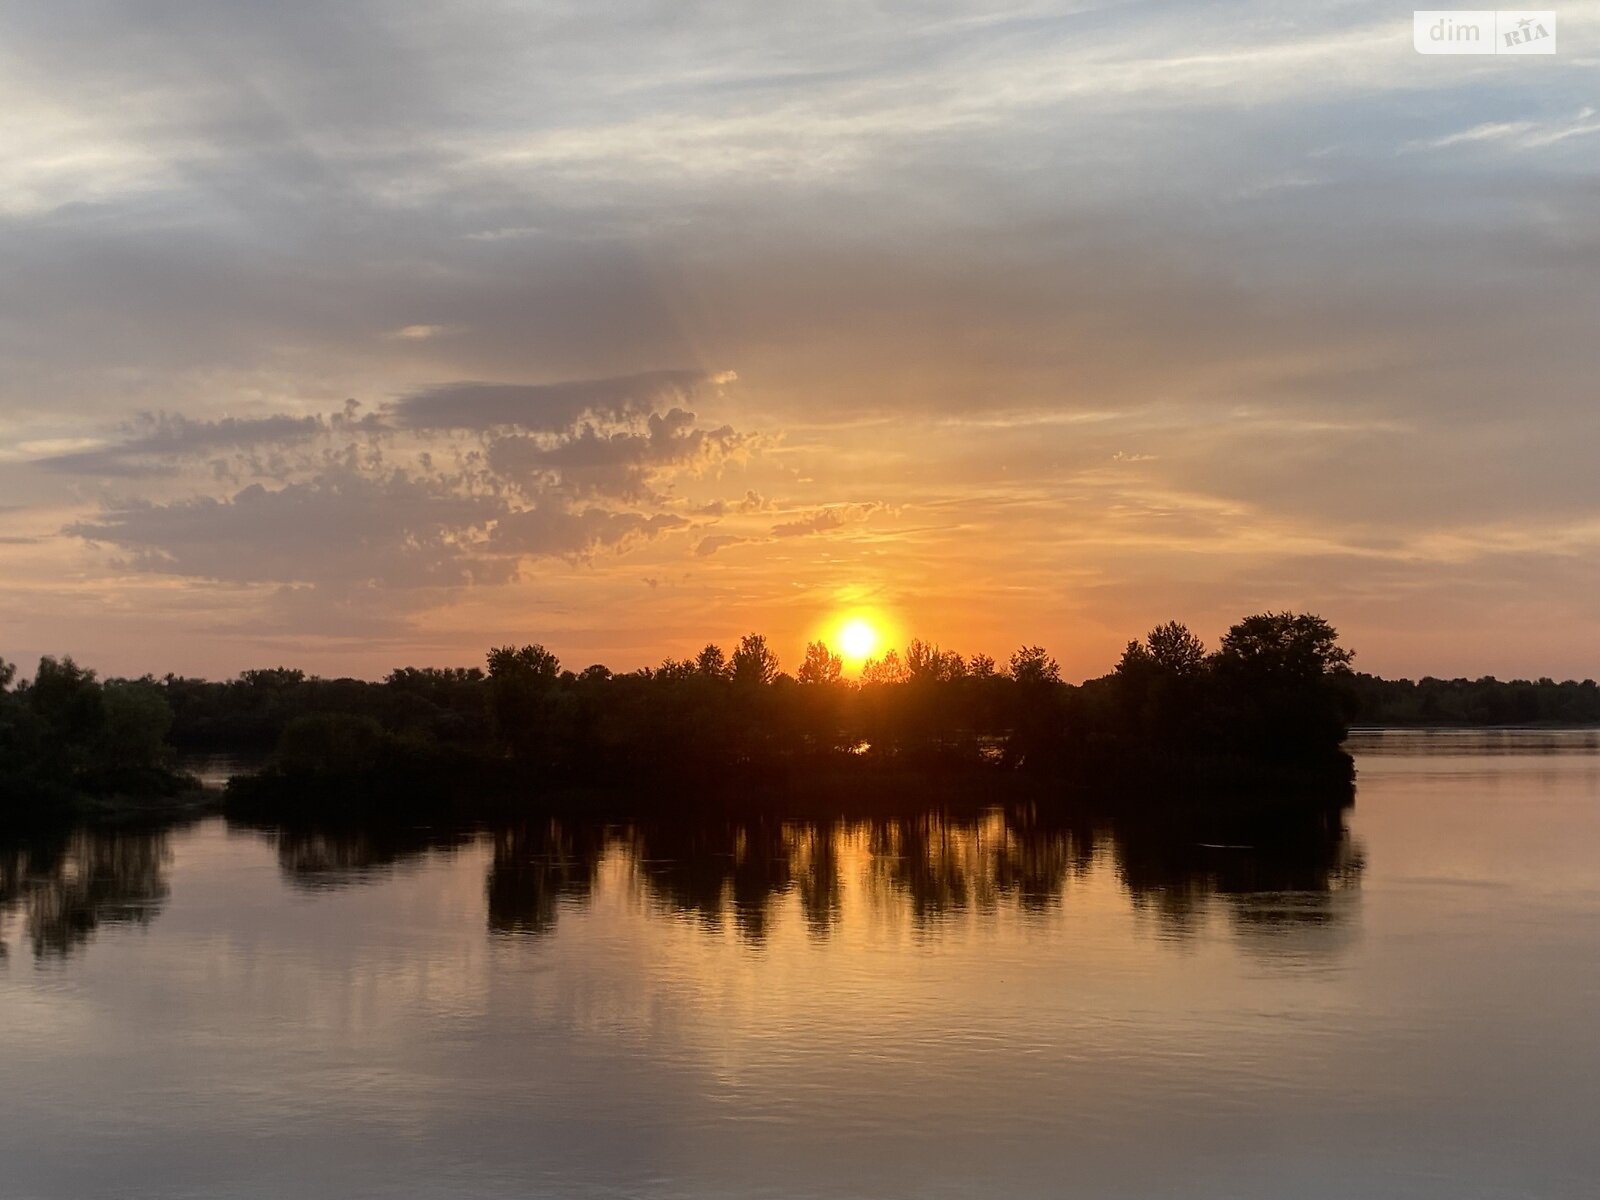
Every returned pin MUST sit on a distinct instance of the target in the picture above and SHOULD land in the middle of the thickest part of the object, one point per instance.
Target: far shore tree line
(1276, 695)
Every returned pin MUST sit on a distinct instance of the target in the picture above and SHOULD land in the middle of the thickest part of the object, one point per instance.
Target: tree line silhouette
(1269, 706)
(1265, 708)
(1430, 702)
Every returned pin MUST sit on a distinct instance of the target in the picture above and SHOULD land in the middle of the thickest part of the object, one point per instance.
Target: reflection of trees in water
(316, 858)
(68, 885)
(715, 870)
(709, 871)
(1036, 860)
(815, 868)
(537, 866)
(705, 869)
(1286, 873)
(938, 867)
(943, 866)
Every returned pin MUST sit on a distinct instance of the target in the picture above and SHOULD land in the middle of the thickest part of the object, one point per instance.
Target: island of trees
(1265, 712)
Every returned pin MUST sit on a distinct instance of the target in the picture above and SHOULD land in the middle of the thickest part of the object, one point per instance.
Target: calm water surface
(911, 1008)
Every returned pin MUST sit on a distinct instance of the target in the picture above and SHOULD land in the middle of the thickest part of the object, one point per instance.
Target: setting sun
(857, 638)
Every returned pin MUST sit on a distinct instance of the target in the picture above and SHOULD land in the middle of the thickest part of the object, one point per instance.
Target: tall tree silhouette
(522, 685)
(820, 665)
(753, 662)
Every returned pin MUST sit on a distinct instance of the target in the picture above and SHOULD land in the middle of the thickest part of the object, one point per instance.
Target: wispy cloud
(158, 442)
(420, 333)
(824, 520)
(1525, 134)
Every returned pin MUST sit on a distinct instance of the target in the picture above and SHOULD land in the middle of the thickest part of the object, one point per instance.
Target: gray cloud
(397, 531)
(344, 531)
(824, 520)
(384, 507)
(545, 407)
(554, 531)
(618, 464)
(751, 502)
(158, 439)
(710, 544)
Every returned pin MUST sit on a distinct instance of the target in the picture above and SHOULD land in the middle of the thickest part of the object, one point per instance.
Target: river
(1404, 1006)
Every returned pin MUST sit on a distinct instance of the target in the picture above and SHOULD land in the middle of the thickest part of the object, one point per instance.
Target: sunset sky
(358, 335)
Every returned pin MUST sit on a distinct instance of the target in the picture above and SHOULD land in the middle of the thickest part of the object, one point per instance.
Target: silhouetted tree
(933, 719)
(272, 678)
(753, 662)
(1033, 665)
(923, 662)
(820, 665)
(885, 670)
(521, 697)
(676, 669)
(1035, 713)
(1160, 702)
(137, 721)
(67, 699)
(1281, 698)
(67, 739)
(713, 663)
(1172, 648)
(1283, 648)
